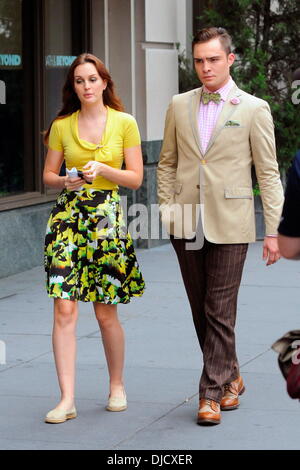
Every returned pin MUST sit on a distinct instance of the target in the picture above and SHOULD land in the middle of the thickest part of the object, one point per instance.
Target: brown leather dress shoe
(230, 400)
(209, 412)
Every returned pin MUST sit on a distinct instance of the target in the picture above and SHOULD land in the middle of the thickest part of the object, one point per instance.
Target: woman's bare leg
(64, 348)
(113, 342)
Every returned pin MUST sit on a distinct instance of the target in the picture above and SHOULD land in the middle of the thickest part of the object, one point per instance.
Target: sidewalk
(162, 365)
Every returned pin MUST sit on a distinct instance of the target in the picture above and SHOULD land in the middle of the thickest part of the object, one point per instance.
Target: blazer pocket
(237, 126)
(177, 188)
(238, 193)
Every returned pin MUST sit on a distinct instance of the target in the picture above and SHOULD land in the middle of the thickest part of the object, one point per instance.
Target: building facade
(136, 39)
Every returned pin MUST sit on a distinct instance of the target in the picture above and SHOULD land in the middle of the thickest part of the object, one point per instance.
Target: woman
(89, 255)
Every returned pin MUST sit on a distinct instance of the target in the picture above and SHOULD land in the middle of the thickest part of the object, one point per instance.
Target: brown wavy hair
(71, 102)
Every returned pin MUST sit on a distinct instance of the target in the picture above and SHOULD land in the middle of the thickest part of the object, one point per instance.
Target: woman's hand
(130, 177)
(92, 169)
(72, 184)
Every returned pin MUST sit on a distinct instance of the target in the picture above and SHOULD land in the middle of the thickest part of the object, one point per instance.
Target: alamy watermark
(2, 353)
(2, 92)
(182, 220)
(145, 222)
(296, 354)
(296, 94)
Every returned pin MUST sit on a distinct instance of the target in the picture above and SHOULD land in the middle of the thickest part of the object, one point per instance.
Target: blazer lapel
(226, 113)
(193, 114)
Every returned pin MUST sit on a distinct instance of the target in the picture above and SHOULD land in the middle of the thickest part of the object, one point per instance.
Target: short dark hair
(206, 34)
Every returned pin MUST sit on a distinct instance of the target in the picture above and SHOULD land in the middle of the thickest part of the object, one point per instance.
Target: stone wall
(22, 234)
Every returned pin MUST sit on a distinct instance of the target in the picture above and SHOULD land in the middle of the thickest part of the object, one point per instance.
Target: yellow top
(121, 131)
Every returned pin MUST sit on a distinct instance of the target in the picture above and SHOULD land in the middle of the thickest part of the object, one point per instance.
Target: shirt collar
(224, 91)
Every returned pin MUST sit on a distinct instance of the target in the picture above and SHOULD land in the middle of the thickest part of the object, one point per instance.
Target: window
(58, 53)
(39, 40)
(11, 98)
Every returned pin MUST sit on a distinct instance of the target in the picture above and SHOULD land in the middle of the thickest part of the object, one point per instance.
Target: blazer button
(198, 186)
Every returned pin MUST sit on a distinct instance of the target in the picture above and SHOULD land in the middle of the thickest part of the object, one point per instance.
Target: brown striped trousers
(212, 277)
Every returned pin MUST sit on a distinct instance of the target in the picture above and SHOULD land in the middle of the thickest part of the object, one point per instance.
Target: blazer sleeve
(263, 149)
(167, 166)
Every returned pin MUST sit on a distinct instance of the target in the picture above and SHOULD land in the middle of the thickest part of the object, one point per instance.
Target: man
(289, 228)
(218, 131)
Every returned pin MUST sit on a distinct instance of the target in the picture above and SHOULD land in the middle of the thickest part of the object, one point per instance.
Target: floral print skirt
(89, 254)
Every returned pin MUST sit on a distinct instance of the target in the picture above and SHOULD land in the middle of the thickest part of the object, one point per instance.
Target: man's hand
(271, 251)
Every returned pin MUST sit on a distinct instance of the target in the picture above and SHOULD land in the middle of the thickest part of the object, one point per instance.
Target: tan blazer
(218, 183)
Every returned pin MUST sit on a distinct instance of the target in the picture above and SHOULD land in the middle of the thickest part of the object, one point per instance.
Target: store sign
(10, 60)
(59, 60)
(2, 92)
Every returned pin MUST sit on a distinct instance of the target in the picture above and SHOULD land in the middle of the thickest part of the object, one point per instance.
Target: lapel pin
(235, 100)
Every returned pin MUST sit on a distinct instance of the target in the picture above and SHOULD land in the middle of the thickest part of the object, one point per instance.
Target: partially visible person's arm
(54, 159)
(264, 156)
(289, 227)
(289, 247)
(51, 178)
(167, 166)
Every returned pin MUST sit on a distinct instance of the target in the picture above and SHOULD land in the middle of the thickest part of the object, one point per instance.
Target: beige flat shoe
(117, 403)
(60, 416)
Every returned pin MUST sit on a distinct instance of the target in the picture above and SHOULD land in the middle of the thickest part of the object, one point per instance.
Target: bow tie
(215, 97)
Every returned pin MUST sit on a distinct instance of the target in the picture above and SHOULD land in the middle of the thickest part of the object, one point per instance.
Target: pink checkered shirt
(209, 113)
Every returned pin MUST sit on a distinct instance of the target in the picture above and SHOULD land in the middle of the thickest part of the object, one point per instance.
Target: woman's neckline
(99, 144)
